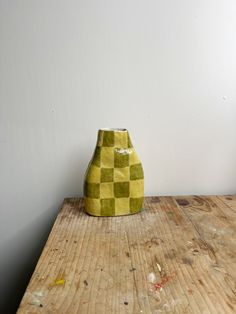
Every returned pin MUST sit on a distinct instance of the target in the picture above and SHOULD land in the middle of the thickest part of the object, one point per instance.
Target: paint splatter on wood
(58, 282)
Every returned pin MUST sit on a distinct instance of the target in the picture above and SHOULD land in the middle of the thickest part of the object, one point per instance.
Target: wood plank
(216, 235)
(176, 256)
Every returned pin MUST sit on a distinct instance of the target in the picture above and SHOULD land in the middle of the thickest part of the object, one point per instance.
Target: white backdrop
(165, 70)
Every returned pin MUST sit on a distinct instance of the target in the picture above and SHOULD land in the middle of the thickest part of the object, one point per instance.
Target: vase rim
(114, 129)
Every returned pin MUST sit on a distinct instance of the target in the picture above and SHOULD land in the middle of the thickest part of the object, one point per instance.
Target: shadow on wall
(22, 250)
(72, 174)
(20, 262)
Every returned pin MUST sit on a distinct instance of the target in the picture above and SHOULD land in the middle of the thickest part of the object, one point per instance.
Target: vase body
(114, 180)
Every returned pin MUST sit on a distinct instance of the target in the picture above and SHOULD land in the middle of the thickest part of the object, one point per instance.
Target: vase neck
(114, 138)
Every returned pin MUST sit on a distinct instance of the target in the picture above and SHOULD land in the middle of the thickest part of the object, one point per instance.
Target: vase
(114, 180)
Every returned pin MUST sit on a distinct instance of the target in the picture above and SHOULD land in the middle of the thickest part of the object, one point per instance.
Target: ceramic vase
(114, 180)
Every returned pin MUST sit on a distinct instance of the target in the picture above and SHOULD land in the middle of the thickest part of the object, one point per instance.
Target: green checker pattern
(114, 181)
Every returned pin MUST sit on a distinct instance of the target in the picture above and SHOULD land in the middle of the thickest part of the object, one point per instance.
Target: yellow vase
(114, 180)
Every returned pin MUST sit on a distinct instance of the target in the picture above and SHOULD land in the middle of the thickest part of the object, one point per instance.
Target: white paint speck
(35, 297)
(151, 278)
(38, 293)
(159, 267)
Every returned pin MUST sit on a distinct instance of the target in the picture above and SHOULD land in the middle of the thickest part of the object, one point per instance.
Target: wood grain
(176, 256)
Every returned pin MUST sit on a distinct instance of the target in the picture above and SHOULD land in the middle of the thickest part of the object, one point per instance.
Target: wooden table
(176, 256)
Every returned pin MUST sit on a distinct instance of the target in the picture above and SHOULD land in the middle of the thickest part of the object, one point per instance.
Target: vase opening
(114, 129)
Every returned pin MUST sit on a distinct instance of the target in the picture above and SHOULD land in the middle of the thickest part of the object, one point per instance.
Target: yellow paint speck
(58, 282)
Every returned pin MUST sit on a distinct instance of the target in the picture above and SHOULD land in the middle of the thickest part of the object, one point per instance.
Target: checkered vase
(114, 180)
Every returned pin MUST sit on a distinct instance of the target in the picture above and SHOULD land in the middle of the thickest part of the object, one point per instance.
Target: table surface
(176, 256)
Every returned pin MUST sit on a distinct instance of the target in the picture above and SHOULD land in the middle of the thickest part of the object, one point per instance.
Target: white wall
(164, 69)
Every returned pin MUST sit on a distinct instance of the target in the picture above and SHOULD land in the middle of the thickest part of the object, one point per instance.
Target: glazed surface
(114, 181)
